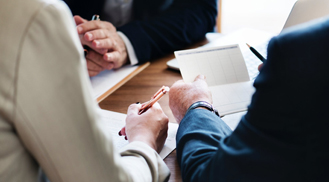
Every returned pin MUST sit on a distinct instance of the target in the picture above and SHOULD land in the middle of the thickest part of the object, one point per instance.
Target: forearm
(185, 22)
(198, 140)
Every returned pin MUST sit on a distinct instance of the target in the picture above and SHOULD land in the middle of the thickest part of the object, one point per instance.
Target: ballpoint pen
(86, 48)
(253, 50)
(157, 96)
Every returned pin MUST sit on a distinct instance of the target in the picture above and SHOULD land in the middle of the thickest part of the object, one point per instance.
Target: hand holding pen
(147, 105)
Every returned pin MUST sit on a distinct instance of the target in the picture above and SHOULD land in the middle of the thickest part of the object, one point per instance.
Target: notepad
(226, 74)
(112, 122)
(108, 81)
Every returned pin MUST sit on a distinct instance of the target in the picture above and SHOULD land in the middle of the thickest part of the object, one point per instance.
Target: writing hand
(151, 127)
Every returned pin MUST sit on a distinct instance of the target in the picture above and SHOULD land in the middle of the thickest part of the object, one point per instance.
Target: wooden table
(140, 89)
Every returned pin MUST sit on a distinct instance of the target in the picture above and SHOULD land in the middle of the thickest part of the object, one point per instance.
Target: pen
(157, 96)
(86, 48)
(253, 50)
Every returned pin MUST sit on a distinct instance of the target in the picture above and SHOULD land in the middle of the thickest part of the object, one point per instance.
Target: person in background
(48, 117)
(284, 134)
(137, 31)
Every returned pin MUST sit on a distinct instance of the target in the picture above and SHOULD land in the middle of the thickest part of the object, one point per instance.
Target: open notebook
(113, 122)
(226, 74)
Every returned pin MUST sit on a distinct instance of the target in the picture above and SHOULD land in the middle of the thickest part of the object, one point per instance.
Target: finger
(90, 44)
(156, 106)
(134, 109)
(98, 59)
(93, 25)
(200, 80)
(93, 73)
(78, 20)
(113, 57)
(260, 66)
(122, 132)
(106, 43)
(200, 77)
(97, 34)
(93, 66)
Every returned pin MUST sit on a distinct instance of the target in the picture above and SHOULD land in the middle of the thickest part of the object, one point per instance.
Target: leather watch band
(203, 104)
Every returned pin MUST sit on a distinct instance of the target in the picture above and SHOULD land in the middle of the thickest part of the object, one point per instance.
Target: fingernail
(89, 36)
(137, 102)
(109, 57)
(120, 133)
(96, 43)
(80, 29)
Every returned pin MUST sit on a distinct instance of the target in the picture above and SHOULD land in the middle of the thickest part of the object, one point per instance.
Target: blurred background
(267, 15)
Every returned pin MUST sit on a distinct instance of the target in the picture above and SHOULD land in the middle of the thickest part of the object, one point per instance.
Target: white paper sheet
(108, 79)
(232, 120)
(112, 122)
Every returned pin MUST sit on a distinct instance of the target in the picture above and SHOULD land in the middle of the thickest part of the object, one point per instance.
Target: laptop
(302, 11)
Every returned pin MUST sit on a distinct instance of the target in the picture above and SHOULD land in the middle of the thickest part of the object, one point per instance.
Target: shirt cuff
(130, 49)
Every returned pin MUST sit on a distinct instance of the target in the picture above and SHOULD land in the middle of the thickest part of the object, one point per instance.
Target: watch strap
(203, 104)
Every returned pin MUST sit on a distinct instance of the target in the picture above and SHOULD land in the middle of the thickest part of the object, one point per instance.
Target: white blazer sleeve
(56, 117)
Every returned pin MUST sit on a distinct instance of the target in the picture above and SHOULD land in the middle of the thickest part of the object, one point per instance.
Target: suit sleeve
(183, 23)
(56, 117)
(207, 152)
(284, 130)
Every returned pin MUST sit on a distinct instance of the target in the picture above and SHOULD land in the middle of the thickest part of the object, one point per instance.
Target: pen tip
(248, 45)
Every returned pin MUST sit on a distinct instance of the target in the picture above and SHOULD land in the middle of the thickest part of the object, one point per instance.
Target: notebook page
(232, 98)
(112, 122)
(220, 65)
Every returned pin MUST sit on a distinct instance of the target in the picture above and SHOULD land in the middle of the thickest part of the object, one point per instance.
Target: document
(226, 74)
(232, 120)
(109, 80)
(113, 122)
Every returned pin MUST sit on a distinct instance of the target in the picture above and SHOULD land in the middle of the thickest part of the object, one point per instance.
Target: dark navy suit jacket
(285, 134)
(160, 26)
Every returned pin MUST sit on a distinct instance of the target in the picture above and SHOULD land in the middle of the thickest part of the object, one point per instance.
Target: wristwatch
(203, 104)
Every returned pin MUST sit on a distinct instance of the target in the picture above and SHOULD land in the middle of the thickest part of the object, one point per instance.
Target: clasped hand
(107, 49)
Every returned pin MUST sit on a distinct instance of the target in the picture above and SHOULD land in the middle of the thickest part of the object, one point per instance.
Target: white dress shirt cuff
(130, 49)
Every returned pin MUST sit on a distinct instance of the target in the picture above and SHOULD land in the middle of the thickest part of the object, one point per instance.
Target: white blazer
(47, 115)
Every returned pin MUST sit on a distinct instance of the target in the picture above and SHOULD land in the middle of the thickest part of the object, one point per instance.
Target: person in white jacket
(48, 118)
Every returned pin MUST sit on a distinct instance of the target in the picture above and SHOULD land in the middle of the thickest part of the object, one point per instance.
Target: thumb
(78, 20)
(200, 77)
(134, 109)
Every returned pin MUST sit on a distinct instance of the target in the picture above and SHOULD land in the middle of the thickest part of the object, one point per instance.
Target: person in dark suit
(284, 135)
(148, 29)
